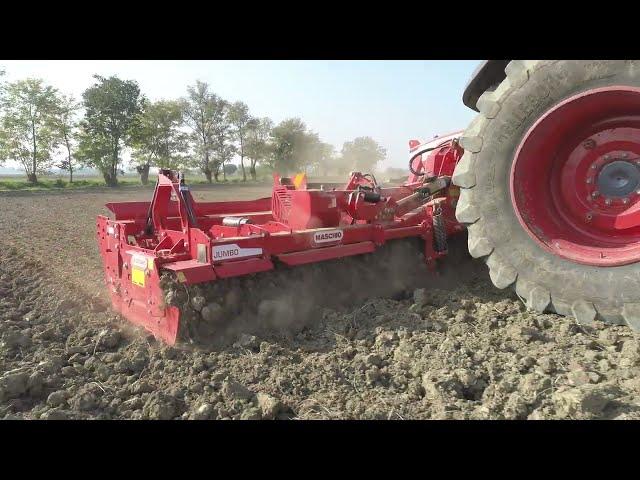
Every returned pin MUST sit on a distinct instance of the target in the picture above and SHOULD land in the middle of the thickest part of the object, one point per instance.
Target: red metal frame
(296, 226)
(555, 179)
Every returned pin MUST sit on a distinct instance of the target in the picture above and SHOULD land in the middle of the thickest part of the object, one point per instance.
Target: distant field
(49, 182)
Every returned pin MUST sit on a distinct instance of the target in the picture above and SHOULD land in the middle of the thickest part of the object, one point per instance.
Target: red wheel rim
(575, 178)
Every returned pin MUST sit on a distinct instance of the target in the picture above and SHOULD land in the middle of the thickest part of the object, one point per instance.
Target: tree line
(41, 128)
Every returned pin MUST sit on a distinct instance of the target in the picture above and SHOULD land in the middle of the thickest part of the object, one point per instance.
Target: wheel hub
(618, 179)
(575, 178)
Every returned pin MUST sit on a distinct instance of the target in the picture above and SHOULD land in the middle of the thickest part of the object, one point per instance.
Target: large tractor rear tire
(550, 187)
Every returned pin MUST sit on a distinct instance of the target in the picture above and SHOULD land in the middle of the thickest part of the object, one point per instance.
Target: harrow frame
(211, 241)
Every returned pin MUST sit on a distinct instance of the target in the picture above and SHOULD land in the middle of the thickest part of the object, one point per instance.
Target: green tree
(112, 109)
(158, 139)
(230, 169)
(314, 154)
(2, 73)
(293, 146)
(325, 159)
(223, 149)
(95, 150)
(258, 146)
(362, 154)
(205, 114)
(3, 137)
(65, 123)
(28, 131)
(241, 122)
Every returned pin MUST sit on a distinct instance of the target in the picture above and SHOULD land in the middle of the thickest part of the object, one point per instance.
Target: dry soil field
(464, 350)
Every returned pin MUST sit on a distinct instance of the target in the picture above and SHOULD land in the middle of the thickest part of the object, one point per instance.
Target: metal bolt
(589, 217)
(595, 194)
(594, 166)
(606, 157)
(607, 201)
(624, 155)
(625, 200)
(589, 180)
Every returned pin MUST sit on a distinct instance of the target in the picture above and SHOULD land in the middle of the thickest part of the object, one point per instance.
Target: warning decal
(139, 266)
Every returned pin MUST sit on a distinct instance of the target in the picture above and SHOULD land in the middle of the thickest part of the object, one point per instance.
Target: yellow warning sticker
(298, 179)
(137, 276)
(139, 265)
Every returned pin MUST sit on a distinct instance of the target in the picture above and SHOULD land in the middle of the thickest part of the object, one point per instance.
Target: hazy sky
(391, 101)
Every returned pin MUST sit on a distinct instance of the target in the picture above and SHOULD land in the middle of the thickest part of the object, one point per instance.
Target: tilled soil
(458, 349)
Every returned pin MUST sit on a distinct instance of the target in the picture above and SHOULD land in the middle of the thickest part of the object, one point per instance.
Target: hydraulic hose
(417, 154)
(371, 178)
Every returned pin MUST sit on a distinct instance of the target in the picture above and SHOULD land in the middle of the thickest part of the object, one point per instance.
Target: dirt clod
(233, 390)
(13, 385)
(160, 406)
(203, 411)
(269, 406)
(198, 302)
(582, 401)
(56, 414)
(57, 398)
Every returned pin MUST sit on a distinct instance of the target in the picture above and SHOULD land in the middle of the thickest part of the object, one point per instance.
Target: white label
(327, 236)
(110, 230)
(230, 251)
(139, 261)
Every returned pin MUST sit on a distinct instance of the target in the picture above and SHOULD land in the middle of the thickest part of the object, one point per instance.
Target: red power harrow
(302, 223)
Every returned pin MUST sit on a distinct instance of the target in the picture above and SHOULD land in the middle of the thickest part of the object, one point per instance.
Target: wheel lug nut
(589, 180)
(607, 201)
(594, 166)
(625, 200)
(595, 194)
